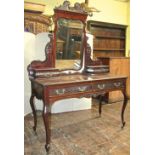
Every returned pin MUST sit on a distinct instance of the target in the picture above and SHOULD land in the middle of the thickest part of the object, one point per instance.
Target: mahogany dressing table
(50, 83)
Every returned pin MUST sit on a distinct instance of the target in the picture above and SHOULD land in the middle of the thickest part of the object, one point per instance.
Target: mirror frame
(69, 15)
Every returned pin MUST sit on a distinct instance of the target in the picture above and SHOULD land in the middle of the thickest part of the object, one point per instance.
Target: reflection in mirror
(69, 43)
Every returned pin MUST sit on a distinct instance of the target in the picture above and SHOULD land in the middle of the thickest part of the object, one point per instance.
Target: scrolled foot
(47, 147)
(123, 124)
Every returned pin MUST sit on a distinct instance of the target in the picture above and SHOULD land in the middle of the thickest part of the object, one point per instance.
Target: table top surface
(78, 78)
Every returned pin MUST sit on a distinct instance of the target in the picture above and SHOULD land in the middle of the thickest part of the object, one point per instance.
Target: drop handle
(60, 91)
(101, 86)
(117, 84)
(81, 89)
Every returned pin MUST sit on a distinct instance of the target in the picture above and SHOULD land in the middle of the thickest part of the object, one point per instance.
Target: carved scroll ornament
(66, 7)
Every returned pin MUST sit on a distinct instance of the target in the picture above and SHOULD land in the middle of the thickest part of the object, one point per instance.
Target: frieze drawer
(70, 90)
(106, 85)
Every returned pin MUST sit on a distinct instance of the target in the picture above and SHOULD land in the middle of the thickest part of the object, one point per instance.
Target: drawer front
(108, 85)
(70, 90)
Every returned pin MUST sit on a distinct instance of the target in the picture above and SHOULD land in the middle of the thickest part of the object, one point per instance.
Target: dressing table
(90, 77)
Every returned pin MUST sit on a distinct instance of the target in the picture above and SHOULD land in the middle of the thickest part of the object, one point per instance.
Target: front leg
(123, 108)
(34, 111)
(46, 114)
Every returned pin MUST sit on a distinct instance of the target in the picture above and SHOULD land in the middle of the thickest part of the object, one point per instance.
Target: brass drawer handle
(101, 86)
(60, 91)
(117, 84)
(81, 89)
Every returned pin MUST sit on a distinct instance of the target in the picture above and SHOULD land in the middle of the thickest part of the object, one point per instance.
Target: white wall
(29, 55)
(34, 50)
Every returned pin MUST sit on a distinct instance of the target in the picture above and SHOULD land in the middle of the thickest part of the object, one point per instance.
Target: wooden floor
(81, 133)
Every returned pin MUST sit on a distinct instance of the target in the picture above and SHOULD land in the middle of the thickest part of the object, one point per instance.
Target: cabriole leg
(46, 116)
(123, 108)
(34, 112)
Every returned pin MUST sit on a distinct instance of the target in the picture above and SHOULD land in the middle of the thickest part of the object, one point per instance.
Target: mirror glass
(69, 39)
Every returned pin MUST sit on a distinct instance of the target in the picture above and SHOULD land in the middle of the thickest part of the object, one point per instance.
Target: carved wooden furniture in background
(35, 22)
(51, 84)
(109, 39)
